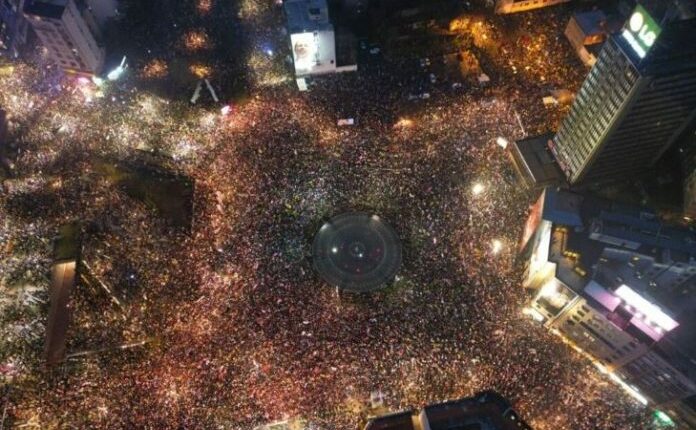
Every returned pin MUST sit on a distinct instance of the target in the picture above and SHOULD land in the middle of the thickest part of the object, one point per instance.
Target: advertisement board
(641, 31)
(313, 53)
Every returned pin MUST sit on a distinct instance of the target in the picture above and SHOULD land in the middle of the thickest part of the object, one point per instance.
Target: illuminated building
(637, 100)
(484, 411)
(70, 33)
(512, 6)
(13, 27)
(620, 286)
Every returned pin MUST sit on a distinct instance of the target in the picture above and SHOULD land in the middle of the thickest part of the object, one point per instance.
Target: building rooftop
(591, 22)
(398, 421)
(484, 411)
(46, 8)
(307, 15)
(603, 250)
(535, 163)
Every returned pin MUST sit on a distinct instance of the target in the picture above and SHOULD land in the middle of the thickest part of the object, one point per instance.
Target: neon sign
(641, 31)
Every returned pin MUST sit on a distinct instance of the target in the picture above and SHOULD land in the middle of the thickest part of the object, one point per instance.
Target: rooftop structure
(534, 161)
(357, 251)
(620, 285)
(484, 411)
(585, 30)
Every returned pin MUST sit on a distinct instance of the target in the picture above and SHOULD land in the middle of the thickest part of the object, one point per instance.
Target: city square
(199, 305)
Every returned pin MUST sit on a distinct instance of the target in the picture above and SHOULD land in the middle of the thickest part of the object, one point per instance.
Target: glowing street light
(502, 142)
(477, 189)
(663, 418)
(118, 71)
(496, 246)
(403, 123)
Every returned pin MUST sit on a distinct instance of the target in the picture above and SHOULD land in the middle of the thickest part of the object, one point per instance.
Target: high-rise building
(638, 98)
(619, 285)
(486, 410)
(70, 33)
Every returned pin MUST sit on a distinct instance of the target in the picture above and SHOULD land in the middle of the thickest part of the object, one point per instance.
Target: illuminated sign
(313, 52)
(641, 31)
(304, 51)
(533, 221)
(650, 312)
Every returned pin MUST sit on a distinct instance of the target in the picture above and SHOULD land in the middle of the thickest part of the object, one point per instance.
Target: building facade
(14, 28)
(636, 101)
(620, 286)
(70, 34)
(512, 6)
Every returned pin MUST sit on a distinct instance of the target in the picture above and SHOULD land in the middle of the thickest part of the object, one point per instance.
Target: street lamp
(477, 189)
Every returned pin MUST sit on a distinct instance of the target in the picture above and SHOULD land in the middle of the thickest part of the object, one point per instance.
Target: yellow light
(496, 246)
(477, 189)
(404, 122)
(548, 290)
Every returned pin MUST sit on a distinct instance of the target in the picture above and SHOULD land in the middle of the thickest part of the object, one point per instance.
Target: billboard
(533, 220)
(314, 52)
(304, 51)
(641, 31)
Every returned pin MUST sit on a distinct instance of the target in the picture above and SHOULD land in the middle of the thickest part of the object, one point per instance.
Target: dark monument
(357, 251)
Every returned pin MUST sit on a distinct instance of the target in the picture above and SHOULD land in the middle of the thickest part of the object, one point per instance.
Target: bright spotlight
(477, 189)
(496, 246)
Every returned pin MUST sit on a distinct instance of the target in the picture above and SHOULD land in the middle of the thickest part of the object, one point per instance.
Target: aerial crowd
(225, 324)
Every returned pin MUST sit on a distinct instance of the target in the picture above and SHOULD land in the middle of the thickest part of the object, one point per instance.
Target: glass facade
(625, 115)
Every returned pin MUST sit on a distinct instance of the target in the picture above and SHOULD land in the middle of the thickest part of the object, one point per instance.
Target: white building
(70, 33)
(620, 286)
(312, 39)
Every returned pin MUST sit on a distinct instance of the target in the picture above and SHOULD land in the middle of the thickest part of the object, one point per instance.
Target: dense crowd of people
(232, 327)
